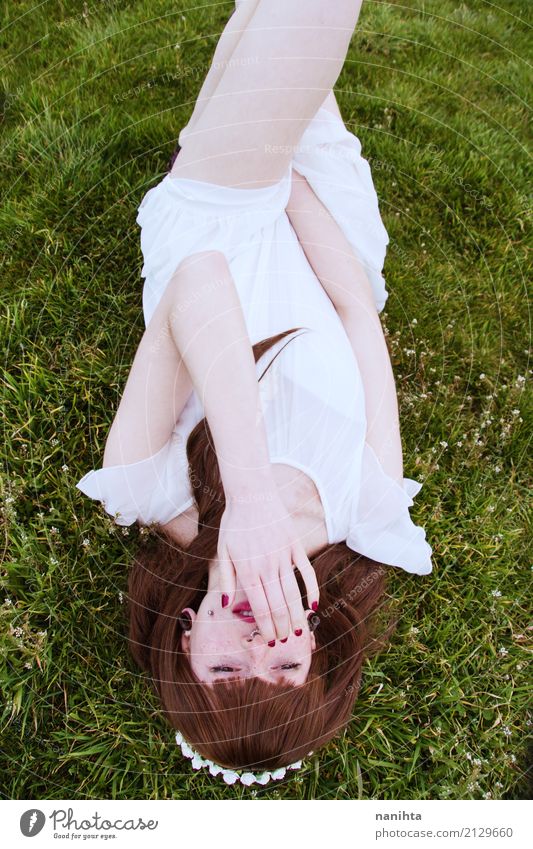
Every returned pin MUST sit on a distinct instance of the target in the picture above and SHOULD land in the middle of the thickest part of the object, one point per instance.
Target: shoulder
(184, 527)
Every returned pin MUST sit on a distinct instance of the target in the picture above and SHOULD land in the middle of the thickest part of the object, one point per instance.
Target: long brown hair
(250, 723)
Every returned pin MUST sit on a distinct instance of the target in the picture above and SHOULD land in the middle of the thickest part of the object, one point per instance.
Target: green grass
(91, 108)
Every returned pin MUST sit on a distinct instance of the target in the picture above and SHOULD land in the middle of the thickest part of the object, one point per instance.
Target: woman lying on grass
(259, 428)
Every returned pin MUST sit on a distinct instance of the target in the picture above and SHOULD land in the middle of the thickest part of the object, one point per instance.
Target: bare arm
(207, 324)
(257, 542)
(341, 274)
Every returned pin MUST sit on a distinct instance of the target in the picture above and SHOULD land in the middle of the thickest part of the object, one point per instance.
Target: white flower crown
(230, 776)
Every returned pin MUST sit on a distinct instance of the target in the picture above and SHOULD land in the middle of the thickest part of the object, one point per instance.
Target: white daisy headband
(230, 776)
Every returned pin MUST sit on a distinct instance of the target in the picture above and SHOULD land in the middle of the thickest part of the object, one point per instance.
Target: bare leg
(281, 70)
(226, 45)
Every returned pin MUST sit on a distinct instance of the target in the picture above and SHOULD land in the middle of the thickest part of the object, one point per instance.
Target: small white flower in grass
(125, 532)
(54, 530)
(498, 784)
(28, 665)
(512, 758)
(482, 376)
(497, 469)
(120, 597)
(8, 602)
(86, 542)
(54, 561)
(64, 468)
(516, 412)
(487, 795)
(491, 508)
(443, 443)
(496, 593)
(502, 651)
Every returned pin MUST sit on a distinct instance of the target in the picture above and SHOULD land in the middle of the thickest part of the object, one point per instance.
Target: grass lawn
(92, 100)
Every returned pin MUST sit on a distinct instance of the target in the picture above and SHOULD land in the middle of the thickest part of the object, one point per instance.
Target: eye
(222, 669)
(290, 666)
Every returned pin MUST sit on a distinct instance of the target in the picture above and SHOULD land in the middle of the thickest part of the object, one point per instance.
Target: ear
(186, 635)
(185, 643)
(308, 613)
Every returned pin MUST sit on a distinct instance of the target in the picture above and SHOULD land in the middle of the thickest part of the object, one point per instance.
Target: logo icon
(32, 822)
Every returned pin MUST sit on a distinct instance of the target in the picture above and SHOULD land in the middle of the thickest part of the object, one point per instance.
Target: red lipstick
(243, 611)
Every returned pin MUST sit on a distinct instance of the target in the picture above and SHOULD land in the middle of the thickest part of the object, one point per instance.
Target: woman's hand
(257, 544)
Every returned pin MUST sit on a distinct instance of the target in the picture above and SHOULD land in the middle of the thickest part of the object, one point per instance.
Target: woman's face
(219, 645)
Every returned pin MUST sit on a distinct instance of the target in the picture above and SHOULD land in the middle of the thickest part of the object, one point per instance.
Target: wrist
(249, 485)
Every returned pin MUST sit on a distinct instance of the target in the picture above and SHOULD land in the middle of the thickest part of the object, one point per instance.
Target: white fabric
(312, 395)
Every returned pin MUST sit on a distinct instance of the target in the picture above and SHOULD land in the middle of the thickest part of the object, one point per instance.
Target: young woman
(272, 470)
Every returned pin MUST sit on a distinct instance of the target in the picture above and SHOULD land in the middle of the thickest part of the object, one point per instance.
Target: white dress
(312, 395)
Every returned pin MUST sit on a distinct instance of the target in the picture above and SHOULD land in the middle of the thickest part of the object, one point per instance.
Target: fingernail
(225, 600)
(298, 632)
(272, 643)
(314, 606)
(284, 640)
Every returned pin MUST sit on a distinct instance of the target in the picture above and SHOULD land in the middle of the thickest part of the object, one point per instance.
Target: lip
(238, 608)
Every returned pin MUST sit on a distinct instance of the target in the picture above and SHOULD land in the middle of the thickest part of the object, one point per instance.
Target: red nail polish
(272, 643)
(314, 606)
(283, 641)
(225, 600)
(298, 632)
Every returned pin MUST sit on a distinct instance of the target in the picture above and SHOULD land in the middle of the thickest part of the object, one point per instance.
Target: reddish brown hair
(249, 723)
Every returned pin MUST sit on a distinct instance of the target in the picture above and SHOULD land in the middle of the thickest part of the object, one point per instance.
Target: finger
(293, 598)
(259, 606)
(306, 569)
(277, 603)
(227, 577)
